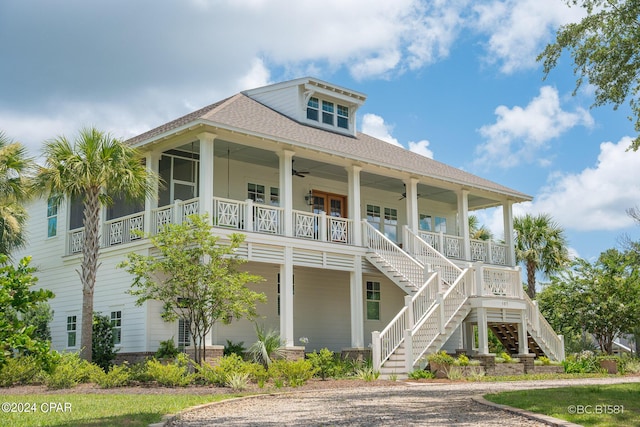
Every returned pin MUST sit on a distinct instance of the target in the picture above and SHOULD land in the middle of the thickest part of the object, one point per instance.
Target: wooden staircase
(507, 334)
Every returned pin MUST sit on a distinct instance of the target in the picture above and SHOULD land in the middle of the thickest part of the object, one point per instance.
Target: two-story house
(364, 246)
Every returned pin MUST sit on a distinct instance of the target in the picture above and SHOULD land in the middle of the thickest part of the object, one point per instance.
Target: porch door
(334, 205)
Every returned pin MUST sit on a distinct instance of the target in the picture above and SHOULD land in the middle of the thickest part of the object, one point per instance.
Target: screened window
(343, 117)
(52, 218)
(72, 324)
(373, 300)
(312, 109)
(116, 324)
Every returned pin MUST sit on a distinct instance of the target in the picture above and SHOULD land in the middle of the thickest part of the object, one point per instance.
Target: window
(373, 215)
(425, 222)
(184, 337)
(332, 114)
(441, 225)
(391, 224)
(312, 109)
(116, 324)
(72, 323)
(343, 117)
(327, 113)
(373, 300)
(275, 196)
(255, 192)
(179, 172)
(52, 218)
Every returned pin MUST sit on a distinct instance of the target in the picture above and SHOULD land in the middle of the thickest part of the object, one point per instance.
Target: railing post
(426, 275)
(408, 351)
(440, 303)
(442, 249)
(408, 302)
(479, 279)
(536, 318)
(323, 226)
(489, 252)
(561, 355)
(177, 211)
(375, 350)
(248, 215)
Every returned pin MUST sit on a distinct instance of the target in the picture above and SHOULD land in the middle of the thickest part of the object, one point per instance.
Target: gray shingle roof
(241, 112)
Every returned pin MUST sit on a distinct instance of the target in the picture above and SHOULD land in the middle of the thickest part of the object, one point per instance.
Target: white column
(523, 343)
(353, 202)
(463, 218)
(483, 331)
(507, 216)
(286, 298)
(286, 189)
(357, 305)
(411, 191)
(206, 174)
(150, 203)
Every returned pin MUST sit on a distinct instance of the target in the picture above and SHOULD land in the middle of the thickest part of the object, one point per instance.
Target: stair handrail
(415, 308)
(439, 316)
(543, 330)
(427, 254)
(405, 264)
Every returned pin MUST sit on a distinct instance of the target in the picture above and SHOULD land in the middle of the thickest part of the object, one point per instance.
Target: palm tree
(15, 168)
(477, 231)
(541, 245)
(93, 168)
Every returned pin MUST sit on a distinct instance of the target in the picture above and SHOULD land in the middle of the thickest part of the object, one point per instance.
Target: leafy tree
(604, 49)
(541, 245)
(93, 167)
(15, 189)
(103, 347)
(601, 298)
(16, 296)
(196, 278)
(39, 316)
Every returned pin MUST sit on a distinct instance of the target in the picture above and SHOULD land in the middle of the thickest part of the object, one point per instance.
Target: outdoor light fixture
(309, 198)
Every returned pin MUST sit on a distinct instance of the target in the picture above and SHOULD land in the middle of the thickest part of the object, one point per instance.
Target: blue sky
(454, 80)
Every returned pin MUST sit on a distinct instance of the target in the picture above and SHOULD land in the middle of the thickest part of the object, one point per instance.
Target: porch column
(353, 203)
(523, 344)
(206, 174)
(357, 306)
(411, 191)
(286, 298)
(507, 216)
(468, 338)
(286, 189)
(150, 203)
(463, 218)
(483, 331)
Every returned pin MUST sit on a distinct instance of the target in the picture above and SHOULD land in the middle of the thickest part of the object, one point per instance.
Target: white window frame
(72, 330)
(328, 113)
(368, 300)
(52, 218)
(116, 325)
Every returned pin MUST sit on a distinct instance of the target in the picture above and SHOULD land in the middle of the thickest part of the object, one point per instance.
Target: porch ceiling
(257, 156)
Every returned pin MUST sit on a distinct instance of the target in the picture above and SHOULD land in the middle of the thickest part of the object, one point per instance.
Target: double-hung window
(52, 218)
(373, 300)
(328, 113)
(72, 325)
(116, 324)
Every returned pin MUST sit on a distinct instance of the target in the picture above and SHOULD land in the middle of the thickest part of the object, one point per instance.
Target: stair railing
(415, 308)
(424, 333)
(542, 332)
(428, 255)
(402, 262)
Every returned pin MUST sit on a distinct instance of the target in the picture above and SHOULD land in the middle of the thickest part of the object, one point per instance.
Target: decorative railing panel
(306, 225)
(268, 219)
(426, 253)
(229, 213)
(123, 230)
(76, 239)
(504, 282)
(339, 230)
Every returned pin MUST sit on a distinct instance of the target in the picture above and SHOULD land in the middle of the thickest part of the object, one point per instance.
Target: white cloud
(597, 197)
(520, 134)
(375, 126)
(421, 147)
(519, 29)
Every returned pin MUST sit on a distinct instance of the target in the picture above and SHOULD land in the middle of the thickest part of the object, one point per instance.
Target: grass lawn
(597, 405)
(66, 410)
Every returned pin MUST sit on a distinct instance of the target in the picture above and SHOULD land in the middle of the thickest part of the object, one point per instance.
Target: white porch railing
(543, 333)
(123, 230)
(75, 239)
(416, 307)
(448, 245)
(498, 281)
(427, 255)
(489, 252)
(404, 264)
(453, 247)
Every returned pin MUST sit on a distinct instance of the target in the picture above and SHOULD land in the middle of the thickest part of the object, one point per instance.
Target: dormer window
(332, 114)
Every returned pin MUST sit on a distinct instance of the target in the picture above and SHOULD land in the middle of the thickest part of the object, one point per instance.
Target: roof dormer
(313, 102)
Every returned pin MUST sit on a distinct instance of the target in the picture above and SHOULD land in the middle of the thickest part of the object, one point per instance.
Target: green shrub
(506, 357)
(238, 381)
(455, 373)
(367, 373)
(174, 374)
(461, 360)
(71, 371)
(441, 357)
(268, 346)
(118, 376)
(102, 350)
(323, 362)
(475, 373)
(167, 350)
(544, 360)
(234, 348)
(420, 374)
(138, 372)
(582, 363)
(294, 372)
(20, 370)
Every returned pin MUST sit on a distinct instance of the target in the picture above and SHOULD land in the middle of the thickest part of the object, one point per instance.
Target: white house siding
(284, 100)
(391, 302)
(454, 342)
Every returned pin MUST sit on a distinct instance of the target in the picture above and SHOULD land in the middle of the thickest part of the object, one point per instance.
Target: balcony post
(353, 203)
(151, 203)
(323, 226)
(507, 216)
(206, 174)
(411, 193)
(286, 189)
(357, 305)
(463, 225)
(248, 216)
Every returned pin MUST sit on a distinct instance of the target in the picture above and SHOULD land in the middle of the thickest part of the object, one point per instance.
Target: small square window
(343, 117)
(327, 112)
(312, 109)
(255, 192)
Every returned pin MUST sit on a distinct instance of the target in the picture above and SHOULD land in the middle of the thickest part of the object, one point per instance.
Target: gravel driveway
(409, 404)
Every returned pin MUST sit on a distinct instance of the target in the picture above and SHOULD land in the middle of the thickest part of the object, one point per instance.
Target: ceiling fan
(298, 173)
(404, 194)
